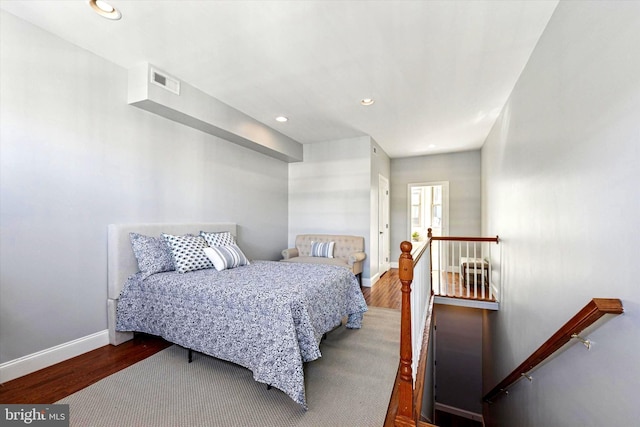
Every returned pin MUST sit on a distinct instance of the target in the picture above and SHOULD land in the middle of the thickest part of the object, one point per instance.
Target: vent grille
(159, 78)
(163, 80)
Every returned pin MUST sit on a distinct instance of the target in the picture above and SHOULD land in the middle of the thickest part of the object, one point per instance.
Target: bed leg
(269, 386)
(326, 334)
(190, 355)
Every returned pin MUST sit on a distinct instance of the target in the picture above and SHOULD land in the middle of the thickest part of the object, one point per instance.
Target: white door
(383, 226)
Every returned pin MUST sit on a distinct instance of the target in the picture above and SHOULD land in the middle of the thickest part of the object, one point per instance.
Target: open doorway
(429, 208)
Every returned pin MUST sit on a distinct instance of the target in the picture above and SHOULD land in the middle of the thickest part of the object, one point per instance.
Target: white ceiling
(439, 71)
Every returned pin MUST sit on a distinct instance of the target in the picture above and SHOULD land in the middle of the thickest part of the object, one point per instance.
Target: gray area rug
(350, 385)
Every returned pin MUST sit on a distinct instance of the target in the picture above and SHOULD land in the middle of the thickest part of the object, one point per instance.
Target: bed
(267, 316)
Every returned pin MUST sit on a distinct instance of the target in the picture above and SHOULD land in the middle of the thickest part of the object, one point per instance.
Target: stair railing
(595, 309)
(465, 266)
(414, 332)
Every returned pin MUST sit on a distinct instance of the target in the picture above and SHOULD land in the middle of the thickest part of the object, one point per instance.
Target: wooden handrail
(416, 257)
(462, 239)
(595, 309)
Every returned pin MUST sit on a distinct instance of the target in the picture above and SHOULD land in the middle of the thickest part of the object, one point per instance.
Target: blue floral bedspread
(267, 316)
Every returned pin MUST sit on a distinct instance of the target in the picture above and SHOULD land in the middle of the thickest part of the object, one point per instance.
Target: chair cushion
(343, 245)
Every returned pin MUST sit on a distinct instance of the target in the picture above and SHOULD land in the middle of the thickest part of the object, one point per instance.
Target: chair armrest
(357, 257)
(289, 253)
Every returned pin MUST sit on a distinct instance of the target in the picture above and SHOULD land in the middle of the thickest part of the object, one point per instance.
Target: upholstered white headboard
(122, 262)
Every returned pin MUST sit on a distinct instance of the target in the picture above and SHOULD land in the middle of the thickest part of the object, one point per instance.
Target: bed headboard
(122, 263)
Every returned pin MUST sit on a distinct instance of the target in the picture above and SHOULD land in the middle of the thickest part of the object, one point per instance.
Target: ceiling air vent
(163, 80)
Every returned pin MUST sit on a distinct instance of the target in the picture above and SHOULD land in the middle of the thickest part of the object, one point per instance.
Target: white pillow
(224, 257)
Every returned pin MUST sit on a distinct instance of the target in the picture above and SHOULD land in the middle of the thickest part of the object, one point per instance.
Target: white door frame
(384, 235)
(445, 204)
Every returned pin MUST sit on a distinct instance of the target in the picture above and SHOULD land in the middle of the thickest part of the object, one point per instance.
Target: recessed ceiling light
(105, 10)
(367, 101)
(281, 119)
(104, 6)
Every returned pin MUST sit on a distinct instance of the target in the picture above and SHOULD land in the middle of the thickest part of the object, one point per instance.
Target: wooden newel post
(405, 415)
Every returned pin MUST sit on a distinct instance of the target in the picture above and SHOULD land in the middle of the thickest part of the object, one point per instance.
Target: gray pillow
(153, 254)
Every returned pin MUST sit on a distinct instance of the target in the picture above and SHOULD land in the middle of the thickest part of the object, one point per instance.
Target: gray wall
(560, 187)
(459, 357)
(330, 191)
(462, 170)
(75, 157)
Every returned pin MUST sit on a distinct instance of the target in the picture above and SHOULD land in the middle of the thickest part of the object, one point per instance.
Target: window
(416, 208)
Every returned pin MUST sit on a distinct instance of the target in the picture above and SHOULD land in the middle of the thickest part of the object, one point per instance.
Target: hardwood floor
(386, 292)
(51, 384)
(58, 381)
(453, 288)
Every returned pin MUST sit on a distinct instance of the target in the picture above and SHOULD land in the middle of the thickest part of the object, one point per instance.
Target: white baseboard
(42, 359)
(394, 264)
(459, 412)
(371, 281)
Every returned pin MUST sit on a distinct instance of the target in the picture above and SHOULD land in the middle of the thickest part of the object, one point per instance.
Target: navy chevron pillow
(187, 252)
